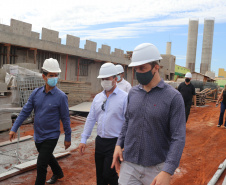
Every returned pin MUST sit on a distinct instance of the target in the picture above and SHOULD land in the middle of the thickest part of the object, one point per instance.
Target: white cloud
(134, 17)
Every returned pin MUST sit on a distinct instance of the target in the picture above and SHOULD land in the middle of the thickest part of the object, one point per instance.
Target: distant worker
(153, 135)
(50, 106)
(188, 92)
(223, 107)
(108, 110)
(121, 82)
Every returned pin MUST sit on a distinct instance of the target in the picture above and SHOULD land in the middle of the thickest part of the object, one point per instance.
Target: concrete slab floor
(27, 150)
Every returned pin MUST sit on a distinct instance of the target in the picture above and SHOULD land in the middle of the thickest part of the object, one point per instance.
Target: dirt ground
(204, 151)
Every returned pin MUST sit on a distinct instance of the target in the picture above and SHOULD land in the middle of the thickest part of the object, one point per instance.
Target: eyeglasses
(102, 106)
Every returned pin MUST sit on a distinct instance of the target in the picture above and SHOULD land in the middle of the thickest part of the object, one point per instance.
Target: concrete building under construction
(80, 67)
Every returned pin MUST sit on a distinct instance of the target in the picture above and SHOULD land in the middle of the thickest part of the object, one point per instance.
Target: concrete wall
(72, 41)
(105, 49)
(90, 45)
(50, 35)
(25, 56)
(192, 44)
(23, 36)
(20, 28)
(196, 76)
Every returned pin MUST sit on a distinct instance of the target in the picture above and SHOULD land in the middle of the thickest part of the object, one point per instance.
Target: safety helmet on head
(51, 65)
(145, 53)
(119, 69)
(188, 75)
(107, 70)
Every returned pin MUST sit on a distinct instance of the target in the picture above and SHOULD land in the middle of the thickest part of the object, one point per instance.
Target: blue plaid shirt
(155, 127)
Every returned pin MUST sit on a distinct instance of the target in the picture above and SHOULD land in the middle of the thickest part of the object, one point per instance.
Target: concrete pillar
(168, 48)
(207, 45)
(192, 44)
(8, 53)
(35, 55)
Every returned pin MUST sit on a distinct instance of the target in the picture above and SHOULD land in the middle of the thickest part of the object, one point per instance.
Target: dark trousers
(187, 110)
(46, 158)
(104, 151)
(221, 118)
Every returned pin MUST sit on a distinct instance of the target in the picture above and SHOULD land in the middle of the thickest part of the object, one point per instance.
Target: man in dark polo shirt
(188, 92)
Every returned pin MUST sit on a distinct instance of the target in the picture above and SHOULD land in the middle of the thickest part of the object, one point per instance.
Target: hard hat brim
(106, 76)
(50, 71)
(132, 64)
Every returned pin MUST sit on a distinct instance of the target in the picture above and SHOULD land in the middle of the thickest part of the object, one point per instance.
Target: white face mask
(106, 84)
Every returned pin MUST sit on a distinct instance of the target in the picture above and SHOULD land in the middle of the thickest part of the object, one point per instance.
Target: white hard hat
(51, 65)
(107, 70)
(188, 75)
(144, 53)
(119, 68)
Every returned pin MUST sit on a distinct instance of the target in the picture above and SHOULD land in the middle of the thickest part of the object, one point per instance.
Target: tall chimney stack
(207, 45)
(192, 44)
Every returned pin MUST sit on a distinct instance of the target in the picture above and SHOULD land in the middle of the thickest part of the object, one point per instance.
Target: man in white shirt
(121, 82)
(108, 110)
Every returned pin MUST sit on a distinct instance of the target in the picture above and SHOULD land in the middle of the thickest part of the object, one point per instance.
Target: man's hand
(81, 148)
(116, 157)
(163, 178)
(67, 144)
(12, 135)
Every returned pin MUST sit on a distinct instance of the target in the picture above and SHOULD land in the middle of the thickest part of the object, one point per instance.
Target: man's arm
(90, 122)
(177, 123)
(220, 97)
(26, 111)
(120, 142)
(65, 118)
(177, 130)
(194, 95)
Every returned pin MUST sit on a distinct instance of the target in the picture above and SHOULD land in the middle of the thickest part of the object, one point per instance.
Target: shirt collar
(52, 91)
(114, 92)
(121, 81)
(161, 85)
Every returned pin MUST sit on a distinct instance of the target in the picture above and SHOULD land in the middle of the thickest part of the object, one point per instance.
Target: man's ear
(156, 68)
(44, 77)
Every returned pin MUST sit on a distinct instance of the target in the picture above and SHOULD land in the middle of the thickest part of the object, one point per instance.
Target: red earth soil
(204, 151)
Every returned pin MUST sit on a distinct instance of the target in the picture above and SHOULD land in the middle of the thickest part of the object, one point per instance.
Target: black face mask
(187, 80)
(144, 78)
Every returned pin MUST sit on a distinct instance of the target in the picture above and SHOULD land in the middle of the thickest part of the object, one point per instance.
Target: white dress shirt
(124, 85)
(110, 120)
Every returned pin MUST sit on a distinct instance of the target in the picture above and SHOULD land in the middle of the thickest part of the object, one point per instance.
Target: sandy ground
(204, 151)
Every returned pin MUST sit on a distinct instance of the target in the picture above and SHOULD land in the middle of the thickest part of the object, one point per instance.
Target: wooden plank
(15, 140)
(21, 168)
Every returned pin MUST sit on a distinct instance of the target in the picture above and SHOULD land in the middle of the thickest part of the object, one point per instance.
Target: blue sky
(126, 24)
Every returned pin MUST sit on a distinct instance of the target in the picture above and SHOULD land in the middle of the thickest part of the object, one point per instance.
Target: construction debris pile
(205, 96)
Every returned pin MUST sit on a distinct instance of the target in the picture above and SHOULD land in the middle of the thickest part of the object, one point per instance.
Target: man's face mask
(52, 81)
(187, 80)
(144, 78)
(107, 84)
(119, 78)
